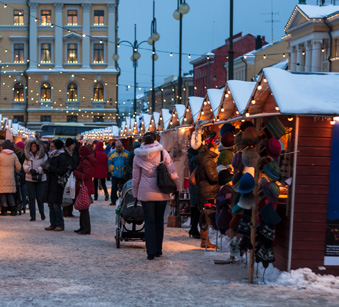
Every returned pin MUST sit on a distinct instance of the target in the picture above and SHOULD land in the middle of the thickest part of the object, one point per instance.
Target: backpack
(164, 182)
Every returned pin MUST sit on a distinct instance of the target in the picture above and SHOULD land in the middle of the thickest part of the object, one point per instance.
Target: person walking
(9, 164)
(84, 174)
(145, 189)
(20, 153)
(35, 177)
(55, 166)
(71, 156)
(117, 164)
(129, 161)
(100, 170)
(208, 187)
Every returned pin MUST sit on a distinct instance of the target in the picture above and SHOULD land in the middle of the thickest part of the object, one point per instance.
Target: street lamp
(151, 40)
(182, 9)
(134, 58)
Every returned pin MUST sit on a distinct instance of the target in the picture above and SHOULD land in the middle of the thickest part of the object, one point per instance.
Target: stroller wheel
(117, 238)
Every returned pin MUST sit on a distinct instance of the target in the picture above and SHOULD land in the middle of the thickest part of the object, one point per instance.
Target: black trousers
(85, 221)
(103, 184)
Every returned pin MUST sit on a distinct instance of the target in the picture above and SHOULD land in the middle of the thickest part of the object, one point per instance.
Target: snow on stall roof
(166, 117)
(214, 95)
(314, 11)
(281, 65)
(297, 93)
(122, 128)
(115, 130)
(180, 108)
(147, 120)
(156, 116)
(241, 92)
(195, 105)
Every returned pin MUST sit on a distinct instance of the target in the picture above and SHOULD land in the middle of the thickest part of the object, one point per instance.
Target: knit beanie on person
(20, 145)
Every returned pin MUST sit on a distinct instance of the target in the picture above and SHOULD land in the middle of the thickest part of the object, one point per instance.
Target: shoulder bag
(37, 176)
(164, 181)
(82, 201)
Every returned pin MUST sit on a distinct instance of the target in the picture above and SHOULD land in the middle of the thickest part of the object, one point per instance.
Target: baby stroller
(129, 219)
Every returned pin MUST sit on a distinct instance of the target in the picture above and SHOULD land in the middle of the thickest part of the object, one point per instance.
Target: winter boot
(203, 235)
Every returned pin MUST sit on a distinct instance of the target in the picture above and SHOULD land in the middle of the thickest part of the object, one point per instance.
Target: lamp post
(182, 9)
(134, 58)
(151, 41)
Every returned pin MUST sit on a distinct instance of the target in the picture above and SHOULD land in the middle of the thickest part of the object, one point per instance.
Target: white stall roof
(241, 92)
(180, 109)
(195, 105)
(214, 95)
(156, 116)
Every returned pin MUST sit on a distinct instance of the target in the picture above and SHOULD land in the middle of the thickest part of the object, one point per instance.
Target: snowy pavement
(44, 268)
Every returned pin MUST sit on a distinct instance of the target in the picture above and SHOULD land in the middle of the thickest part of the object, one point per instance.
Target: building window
(45, 92)
(19, 53)
(72, 92)
(98, 92)
(98, 118)
(46, 17)
(18, 92)
(72, 53)
(98, 53)
(18, 119)
(46, 53)
(72, 118)
(18, 17)
(99, 17)
(72, 18)
(45, 118)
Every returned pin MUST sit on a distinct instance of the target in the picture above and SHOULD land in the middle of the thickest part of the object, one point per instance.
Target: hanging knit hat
(236, 209)
(262, 162)
(250, 137)
(246, 184)
(224, 177)
(227, 128)
(225, 157)
(250, 157)
(236, 181)
(272, 170)
(238, 141)
(273, 148)
(269, 215)
(227, 139)
(271, 191)
(221, 147)
(275, 127)
(247, 201)
(237, 162)
(245, 125)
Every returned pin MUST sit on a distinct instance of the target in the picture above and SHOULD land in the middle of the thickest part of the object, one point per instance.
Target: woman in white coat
(9, 164)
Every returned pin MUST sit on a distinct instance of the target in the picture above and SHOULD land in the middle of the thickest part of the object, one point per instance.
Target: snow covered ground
(44, 268)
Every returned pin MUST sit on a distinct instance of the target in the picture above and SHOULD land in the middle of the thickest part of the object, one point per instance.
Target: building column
(293, 59)
(58, 36)
(86, 29)
(33, 35)
(308, 57)
(111, 35)
(316, 56)
(300, 58)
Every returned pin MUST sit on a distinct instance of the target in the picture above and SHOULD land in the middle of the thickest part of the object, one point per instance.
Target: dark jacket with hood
(101, 166)
(85, 170)
(56, 166)
(194, 196)
(72, 160)
(207, 176)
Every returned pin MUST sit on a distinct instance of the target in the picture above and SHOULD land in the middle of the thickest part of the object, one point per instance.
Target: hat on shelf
(275, 127)
(238, 141)
(236, 181)
(271, 191)
(225, 176)
(273, 148)
(250, 157)
(247, 201)
(236, 209)
(263, 161)
(250, 137)
(237, 162)
(272, 170)
(246, 184)
(227, 139)
(227, 128)
(245, 125)
(269, 215)
(225, 157)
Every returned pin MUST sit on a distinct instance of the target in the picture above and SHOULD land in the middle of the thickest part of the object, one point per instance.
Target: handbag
(164, 182)
(193, 178)
(82, 201)
(36, 177)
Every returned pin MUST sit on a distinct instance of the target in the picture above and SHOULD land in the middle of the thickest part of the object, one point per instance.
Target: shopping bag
(69, 191)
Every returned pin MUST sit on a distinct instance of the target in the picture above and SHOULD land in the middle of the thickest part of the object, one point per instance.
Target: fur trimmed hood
(148, 151)
(41, 150)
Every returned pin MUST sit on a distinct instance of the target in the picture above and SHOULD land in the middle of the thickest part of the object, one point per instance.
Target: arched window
(98, 92)
(18, 92)
(72, 92)
(45, 92)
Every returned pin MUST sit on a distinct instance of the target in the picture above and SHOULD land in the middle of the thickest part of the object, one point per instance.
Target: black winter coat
(207, 176)
(194, 194)
(57, 167)
(72, 159)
